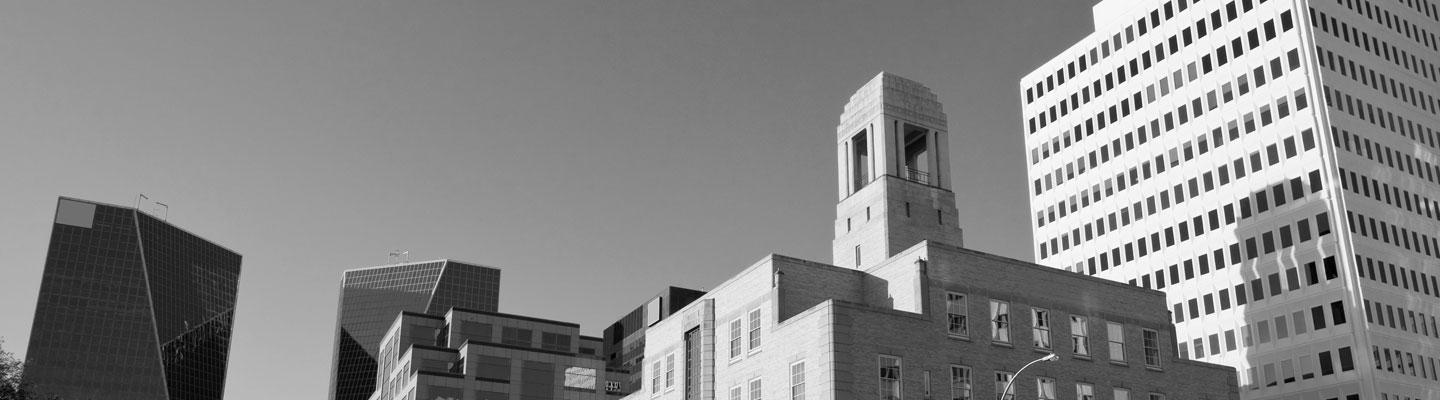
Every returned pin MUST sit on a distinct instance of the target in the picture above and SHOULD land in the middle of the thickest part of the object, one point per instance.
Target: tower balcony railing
(917, 176)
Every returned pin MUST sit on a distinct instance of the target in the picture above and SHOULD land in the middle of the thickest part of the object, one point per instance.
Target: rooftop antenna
(137, 200)
(167, 211)
(400, 256)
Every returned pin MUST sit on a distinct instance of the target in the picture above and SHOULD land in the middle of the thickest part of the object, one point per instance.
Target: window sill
(1154, 368)
(1119, 363)
(1002, 344)
(753, 352)
(736, 359)
(959, 337)
(1081, 357)
(1043, 350)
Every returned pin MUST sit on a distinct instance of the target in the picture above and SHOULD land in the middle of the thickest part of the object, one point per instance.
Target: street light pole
(1008, 385)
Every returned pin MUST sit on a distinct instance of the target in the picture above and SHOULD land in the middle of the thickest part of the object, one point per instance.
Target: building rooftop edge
(403, 264)
(166, 222)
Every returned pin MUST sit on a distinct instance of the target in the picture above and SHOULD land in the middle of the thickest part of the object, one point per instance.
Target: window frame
(897, 384)
(956, 301)
(999, 322)
(1040, 328)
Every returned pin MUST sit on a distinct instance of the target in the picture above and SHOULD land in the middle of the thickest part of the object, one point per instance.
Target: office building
(476, 355)
(1271, 166)
(371, 298)
(624, 347)
(131, 307)
(905, 312)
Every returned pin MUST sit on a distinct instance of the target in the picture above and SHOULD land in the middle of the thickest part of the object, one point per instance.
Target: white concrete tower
(1273, 166)
(893, 170)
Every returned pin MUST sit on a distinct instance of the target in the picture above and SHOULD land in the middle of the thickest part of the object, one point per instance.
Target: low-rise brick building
(478, 355)
(911, 315)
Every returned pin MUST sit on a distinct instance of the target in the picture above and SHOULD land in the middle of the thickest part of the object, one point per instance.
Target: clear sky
(595, 151)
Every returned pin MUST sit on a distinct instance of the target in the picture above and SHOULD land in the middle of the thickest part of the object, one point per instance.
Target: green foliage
(12, 379)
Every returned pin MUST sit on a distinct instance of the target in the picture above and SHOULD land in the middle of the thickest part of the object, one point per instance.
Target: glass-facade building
(371, 299)
(131, 307)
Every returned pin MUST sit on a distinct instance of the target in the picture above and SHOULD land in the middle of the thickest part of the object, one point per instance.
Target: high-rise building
(371, 298)
(907, 313)
(624, 346)
(1272, 166)
(131, 307)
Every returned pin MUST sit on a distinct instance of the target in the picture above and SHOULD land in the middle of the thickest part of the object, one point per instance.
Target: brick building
(910, 314)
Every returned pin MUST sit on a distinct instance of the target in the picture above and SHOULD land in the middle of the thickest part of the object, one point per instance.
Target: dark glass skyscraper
(371, 299)
(131, 307)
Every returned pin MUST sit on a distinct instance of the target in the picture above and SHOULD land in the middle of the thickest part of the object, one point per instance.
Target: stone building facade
(908, 314)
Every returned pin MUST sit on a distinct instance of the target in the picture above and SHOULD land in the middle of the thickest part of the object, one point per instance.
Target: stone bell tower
(893, 170)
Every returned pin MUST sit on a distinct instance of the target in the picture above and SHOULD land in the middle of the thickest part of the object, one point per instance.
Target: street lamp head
(1051, 357)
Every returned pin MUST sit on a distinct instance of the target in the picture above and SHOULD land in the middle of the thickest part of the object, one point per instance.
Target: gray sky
(594, 151)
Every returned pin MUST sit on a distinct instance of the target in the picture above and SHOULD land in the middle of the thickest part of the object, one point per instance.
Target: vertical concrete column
(942, 166)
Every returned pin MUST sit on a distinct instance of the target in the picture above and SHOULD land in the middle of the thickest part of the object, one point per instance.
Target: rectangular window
(515, 336)
(1084, 391)
(961, 383)
(736, 335)
(1079, 335)
(754, 329)
(1115, 333)
(669, 370)
(755, 389)
(1001, 380)
(1122, 394)
(1151, 341)
(1041, 333)
(655, 377)
(797, 380)
(889, 378)
(737, 392)
(1045, 388)
(958, 310)
(999, 321)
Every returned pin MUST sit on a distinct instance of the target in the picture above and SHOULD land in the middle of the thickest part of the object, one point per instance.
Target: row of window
(1424, 7)
(1378, 116)
(1403, 362)
(1206, 304)
(1280, 107)
(1392, 195)
(1378, 81)
(1262, 333)
(797, 385)
(1237, 48)
(1117, 41)
(1385, 156)
(962, 384)
(1379, 48)
(1394, 22)
(1260, 199)
(957, 310)
(1302, 368)
(1251, 250)
(1312, 276)
(1142, 62)
(1418, 282)
(1143, 172)
(738, 334)
(1394, 235)
(1386, 315)
(1371, 113)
